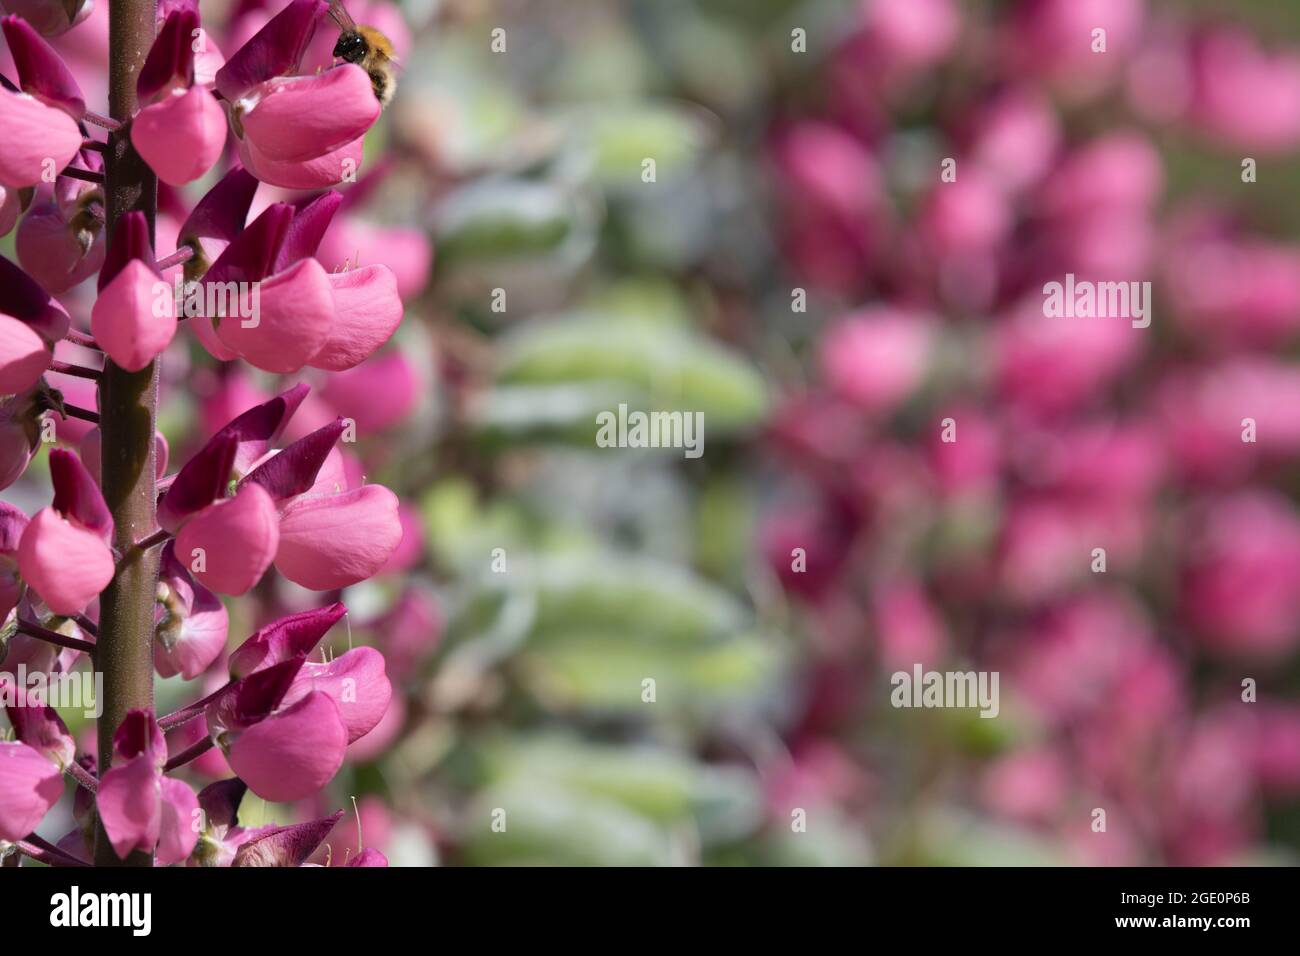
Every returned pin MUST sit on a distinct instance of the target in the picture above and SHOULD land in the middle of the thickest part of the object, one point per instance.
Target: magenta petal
(130, 243)
(201, 481)
(289, 637)
(334, 541)
(170, 63)
(41, 71)
(44, 731)
(228, 545)
(139, 734)
(294, 314)
(177, 833)
(368, 857)
(29, 786)
(367, 311)
(293, 470)
(77, 496)
(303, 117)
(180, 136)
(251, 255)
(220, 801)
(286, 846)
(258, 427)
(291, 755)
(22, 298)
(308, 228)
(130, 806)
(134, 316)
(274, 50)
(67, 565)
(223, 210)
(358, 684)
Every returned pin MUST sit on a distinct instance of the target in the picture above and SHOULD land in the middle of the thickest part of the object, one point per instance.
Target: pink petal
(367, 311)
(134, 317)
(294, 312)
(319, 173)
(303, 117)
(23, 356)
(333, 541)
(52, 254)
(67, 565)
(291, 755)
(228, 545)
(29, 786)
(181, 138)
(358, 684)
(201, 640)
(37, 138)
(178, 832)
(130, 806)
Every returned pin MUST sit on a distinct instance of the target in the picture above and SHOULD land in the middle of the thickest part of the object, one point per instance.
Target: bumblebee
(368, 49)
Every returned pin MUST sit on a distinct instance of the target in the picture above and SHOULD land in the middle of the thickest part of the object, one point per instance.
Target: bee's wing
(342, 19)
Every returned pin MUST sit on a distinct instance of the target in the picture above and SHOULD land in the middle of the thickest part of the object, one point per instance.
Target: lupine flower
(191, 622)
(134, 317)
(30, 323)
(64, 553)
(284, 724)
(40, 114)
(329, 536)
(139, 807)
(295, 131)
(31, 768)
(305, 316)
(181, 130)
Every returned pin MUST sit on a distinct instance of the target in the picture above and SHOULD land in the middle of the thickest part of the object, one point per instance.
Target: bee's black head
(351, 47)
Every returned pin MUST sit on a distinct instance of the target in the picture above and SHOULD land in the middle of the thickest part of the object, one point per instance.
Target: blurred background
(794, 266)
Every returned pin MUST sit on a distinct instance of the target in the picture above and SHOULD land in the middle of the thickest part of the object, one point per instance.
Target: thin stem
(54, 637)
(193, 752)
(189, 711)
(83, 776)
(95, 145)
(181, 256)
(80, 371)
(85, 414)
(129, 404)
(86, 624)
(155, 539)
(104, 122)
(42, 851)
(81, 338)
(85, 175)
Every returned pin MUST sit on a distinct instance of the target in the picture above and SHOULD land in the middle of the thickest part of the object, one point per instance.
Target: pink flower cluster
(266, 490)
(1095, 509)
